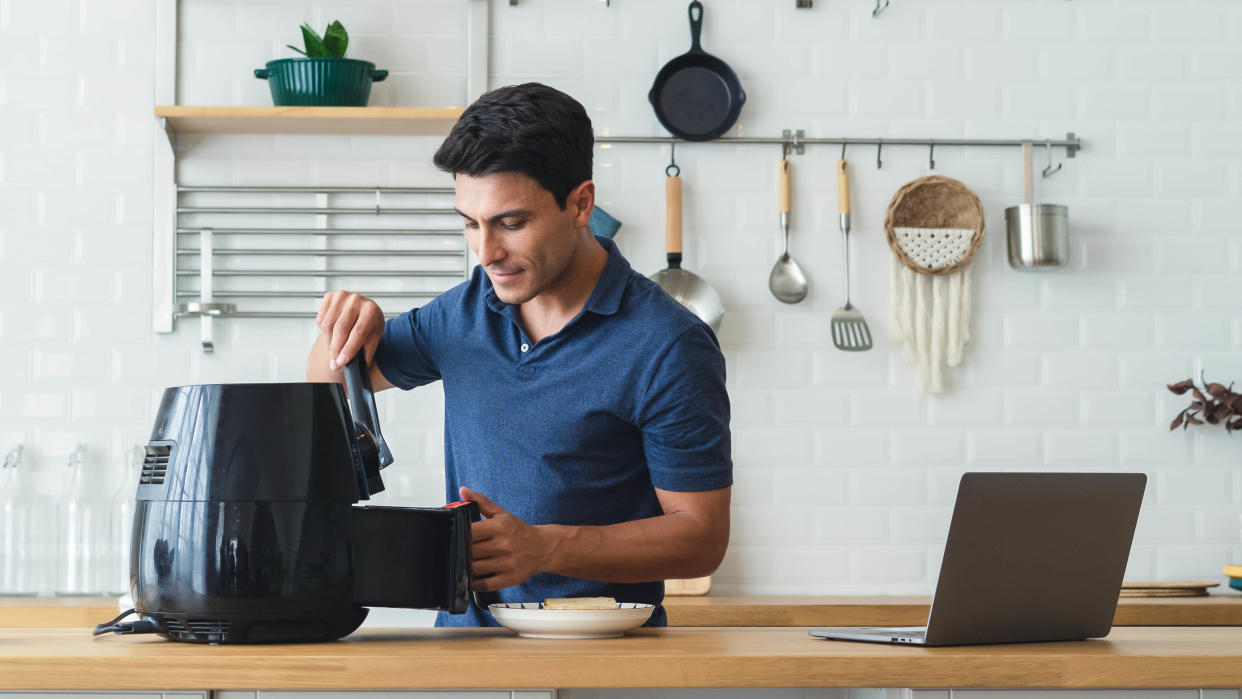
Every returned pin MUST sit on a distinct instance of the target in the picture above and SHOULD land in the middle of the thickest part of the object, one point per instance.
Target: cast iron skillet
(696, 95)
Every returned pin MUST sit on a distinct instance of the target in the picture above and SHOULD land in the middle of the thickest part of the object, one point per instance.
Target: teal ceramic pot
(320, 82)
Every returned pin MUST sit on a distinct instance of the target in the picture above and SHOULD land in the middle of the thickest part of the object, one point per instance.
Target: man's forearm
(317, 368)
(668, 546)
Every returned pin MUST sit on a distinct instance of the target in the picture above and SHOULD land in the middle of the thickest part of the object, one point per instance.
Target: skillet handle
(672, 221)
(696, 25)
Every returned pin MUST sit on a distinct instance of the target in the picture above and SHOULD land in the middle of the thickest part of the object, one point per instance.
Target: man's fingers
(492, 583)
(485, 548)
(355, 342)
(487, 508)
(340, 333)
(484, 530)
(324, 304)
(486, 568)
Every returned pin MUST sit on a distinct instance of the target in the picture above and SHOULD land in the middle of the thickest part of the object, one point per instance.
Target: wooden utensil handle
(1028, 177)
(672, 215)
(782, 183)
(843, 187)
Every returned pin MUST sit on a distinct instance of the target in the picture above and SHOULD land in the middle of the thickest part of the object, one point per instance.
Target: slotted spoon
(849, 328)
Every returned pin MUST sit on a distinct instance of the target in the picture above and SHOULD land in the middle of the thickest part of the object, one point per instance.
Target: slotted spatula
(849, 328)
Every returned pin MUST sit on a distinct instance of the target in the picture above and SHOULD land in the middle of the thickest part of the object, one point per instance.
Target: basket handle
(378, 75)
(260, 73)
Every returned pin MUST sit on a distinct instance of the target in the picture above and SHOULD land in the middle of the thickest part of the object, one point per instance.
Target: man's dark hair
(533, 129)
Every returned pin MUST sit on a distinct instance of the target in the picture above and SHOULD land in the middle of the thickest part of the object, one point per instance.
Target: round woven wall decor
(934, 225)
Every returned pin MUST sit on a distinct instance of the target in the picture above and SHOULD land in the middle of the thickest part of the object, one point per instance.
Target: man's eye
(512, 225)
(470, 224)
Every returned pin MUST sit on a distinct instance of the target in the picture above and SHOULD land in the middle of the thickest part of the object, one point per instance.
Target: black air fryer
(245, 529)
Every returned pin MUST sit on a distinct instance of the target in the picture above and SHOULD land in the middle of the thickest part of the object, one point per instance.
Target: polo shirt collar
(605, 298)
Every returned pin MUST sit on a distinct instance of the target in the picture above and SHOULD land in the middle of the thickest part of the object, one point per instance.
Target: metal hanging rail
(422, 262)
(1070, 141)
(795, 141)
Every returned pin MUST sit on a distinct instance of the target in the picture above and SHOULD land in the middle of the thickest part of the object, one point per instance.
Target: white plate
(531, 620)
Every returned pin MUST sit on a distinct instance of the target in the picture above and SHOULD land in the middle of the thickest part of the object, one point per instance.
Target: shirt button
(525, 346)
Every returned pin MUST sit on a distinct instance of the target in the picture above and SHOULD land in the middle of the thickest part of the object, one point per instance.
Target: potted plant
(322, 76)
(1214, 404)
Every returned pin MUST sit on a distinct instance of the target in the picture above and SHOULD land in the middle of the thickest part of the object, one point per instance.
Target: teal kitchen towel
(602, 224)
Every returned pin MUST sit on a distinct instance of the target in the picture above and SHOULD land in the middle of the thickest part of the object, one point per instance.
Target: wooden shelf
(387, 121)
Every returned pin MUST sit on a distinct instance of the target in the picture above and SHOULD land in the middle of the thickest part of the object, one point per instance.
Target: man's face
(521, 237)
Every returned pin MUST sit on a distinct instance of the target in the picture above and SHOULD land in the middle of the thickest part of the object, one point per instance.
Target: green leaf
(314, 45)
(296, 49)
(336, 39)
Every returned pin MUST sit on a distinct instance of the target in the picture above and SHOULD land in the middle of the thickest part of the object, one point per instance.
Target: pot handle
(378, 75)
(261, 73)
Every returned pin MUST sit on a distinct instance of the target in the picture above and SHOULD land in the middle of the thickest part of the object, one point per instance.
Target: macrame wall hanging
(934, 226)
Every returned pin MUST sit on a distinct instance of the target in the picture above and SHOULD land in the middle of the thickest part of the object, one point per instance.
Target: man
(585, 409)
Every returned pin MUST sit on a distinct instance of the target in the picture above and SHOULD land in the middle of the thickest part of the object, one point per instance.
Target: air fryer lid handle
(371, 448)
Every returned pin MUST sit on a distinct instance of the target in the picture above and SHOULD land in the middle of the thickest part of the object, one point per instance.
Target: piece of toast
(580, 603)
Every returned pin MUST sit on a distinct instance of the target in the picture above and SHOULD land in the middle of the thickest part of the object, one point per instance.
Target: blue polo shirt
(578, 428)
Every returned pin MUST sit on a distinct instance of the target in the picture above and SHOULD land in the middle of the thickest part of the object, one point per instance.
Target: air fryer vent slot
(154, 464)
(210, 630)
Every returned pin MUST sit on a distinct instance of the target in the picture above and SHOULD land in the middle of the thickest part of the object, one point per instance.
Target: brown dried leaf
(1192, 420)
(1181, 386)
(1216, 390)
(1177, 421)
(1198, 395)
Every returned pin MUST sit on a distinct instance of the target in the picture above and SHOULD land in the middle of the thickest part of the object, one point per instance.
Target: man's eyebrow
(511, 213)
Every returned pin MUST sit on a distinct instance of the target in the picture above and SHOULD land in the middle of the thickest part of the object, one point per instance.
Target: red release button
(459, 503)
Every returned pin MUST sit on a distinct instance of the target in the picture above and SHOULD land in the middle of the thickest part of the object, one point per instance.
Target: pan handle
(672, 220)
(696, 25)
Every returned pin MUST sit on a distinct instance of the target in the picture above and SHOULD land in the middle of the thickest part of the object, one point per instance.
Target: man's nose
(490, 250)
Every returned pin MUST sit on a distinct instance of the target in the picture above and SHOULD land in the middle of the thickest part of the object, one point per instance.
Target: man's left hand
(506, 550)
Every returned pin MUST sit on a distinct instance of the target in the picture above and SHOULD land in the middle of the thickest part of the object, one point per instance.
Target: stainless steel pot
(1038, 235)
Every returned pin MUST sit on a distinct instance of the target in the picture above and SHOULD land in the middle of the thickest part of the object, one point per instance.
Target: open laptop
(1030, 557)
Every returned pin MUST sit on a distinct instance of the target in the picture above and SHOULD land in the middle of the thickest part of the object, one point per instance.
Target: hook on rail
(1049, 171)
(879, 146)
(673, 170)
(931, 155)
(880, 6)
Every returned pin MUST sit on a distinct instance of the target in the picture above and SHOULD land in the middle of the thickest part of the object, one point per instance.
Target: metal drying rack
(257, 268)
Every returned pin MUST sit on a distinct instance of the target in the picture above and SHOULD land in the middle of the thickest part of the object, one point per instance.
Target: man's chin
(511, 296)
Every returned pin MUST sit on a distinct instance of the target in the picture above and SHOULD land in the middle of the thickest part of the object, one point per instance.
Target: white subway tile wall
(845, 474)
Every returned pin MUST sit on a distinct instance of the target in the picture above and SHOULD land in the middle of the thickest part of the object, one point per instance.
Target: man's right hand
(348, 322)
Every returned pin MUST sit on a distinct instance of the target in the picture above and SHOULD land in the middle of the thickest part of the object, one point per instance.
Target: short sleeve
(405, 355)
(684, 416)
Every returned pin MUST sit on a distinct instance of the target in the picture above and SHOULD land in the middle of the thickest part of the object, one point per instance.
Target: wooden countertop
(70, 659)
(848, 610)
(1223, 609)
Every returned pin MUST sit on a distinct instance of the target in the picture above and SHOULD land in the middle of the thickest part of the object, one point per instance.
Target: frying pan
(696, 95)
(686, 287)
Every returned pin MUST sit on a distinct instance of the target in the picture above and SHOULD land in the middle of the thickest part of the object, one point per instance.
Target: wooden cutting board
(688, 586)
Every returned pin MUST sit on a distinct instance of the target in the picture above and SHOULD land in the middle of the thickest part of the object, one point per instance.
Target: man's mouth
(500, 276)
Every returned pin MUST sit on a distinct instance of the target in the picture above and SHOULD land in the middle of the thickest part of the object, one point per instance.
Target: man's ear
(581, 202)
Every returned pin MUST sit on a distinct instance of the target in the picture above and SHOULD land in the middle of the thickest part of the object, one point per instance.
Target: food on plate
(580, 603)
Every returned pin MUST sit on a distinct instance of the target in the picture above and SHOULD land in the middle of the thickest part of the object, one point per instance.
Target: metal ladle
(787, 280)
